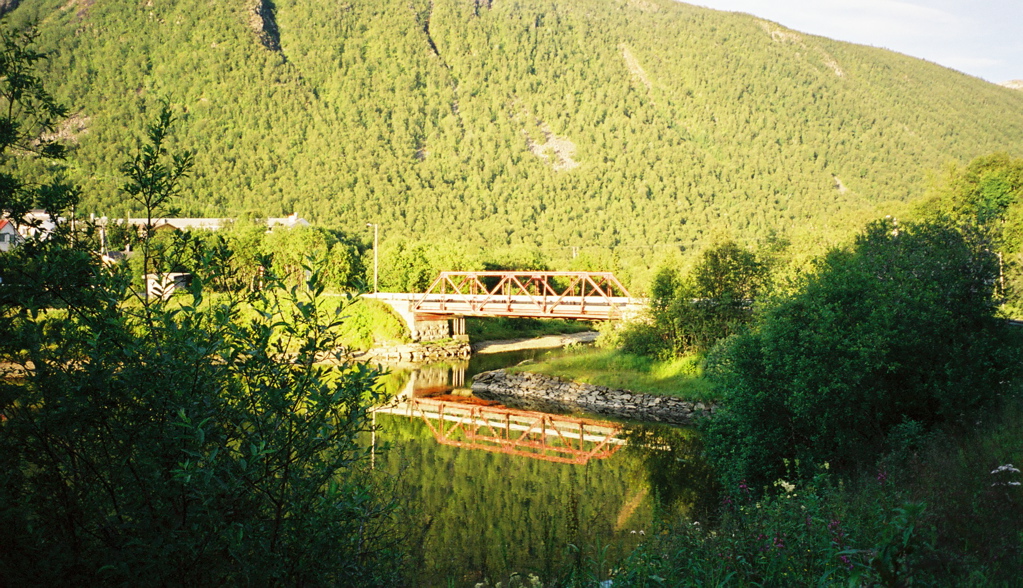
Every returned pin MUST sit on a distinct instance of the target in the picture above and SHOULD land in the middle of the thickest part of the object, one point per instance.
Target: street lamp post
(376, 238)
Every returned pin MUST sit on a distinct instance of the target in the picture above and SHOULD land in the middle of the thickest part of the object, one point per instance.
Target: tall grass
(366, 322)
(680, 377)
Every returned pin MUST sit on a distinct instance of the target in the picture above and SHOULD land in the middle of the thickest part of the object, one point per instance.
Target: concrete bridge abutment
(423, 327)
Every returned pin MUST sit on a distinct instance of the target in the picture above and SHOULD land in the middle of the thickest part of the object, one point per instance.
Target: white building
(290, 222)
(9, 237)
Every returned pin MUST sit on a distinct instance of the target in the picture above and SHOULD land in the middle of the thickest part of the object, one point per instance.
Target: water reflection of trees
(408, 380)
(491, 514)
(679, 476)
(487, 514)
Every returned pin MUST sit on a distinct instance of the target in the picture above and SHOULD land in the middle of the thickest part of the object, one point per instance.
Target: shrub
(813, 534)
(157, 443)
(692, 313)
(153, 442)
(949, 512)
(890, 338)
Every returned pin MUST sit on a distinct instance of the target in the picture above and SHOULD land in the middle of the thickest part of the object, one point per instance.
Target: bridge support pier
(458, 329)
(429, 328)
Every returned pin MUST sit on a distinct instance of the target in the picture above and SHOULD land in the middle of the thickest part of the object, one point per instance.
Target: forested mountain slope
(569, 122)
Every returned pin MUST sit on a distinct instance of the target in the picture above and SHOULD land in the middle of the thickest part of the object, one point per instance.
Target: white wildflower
(1005, 468)
(787, 486)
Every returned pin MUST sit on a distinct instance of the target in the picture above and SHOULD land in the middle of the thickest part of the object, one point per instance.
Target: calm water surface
(493, 502)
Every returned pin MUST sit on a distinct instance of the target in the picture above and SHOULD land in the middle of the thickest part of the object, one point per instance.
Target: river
(496, 501)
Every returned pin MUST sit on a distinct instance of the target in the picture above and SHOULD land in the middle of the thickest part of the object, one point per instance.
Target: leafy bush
(692, 313)
(146, 441)
(894, 335)
(150, 444)
(370, 322)
(947, 513)
(642, 338)
(814, 534)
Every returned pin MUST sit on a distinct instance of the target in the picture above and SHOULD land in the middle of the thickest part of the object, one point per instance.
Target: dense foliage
(29, 115)
(888, 339)
(692, 312)
(987, 194)
(947, 513)
(241, 254)
(638, 125)
(146, 441)
(196, 441)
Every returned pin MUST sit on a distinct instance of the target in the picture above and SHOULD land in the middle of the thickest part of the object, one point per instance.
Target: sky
(983, 38)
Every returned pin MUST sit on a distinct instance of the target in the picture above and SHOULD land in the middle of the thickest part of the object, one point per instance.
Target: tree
(27, 112)
(53, 274)
(180, 442)
(405, 267)
(693, 313)
(981, 193)
(288, 248)
(153, 178)
(890, 338)
(987, 194)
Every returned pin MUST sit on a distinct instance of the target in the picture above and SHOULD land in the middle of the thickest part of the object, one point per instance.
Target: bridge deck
(567, 307)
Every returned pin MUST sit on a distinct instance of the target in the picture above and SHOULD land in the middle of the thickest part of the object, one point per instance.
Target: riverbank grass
(681, 378)
(366, 322)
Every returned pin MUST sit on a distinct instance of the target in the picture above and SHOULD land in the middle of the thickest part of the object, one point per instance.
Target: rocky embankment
(418, 353)
(541, 392)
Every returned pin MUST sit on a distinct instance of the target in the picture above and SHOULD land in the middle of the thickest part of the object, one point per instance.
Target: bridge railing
(498, 429)
(585, 295)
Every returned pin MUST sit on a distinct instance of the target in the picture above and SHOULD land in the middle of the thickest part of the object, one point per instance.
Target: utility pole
(376, 242)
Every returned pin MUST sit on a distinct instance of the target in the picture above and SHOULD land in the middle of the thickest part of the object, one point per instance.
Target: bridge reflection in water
(476, 424)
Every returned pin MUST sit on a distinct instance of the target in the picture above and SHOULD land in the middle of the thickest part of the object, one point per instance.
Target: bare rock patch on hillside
(634, 67)
(543, 142)
(780, 35)
(263, 20)
(69, 129)
(8, 5)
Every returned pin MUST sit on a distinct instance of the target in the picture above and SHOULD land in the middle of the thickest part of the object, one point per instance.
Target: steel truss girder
(582, 295)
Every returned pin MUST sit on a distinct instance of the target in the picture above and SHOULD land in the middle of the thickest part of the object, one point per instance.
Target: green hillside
(625, 123)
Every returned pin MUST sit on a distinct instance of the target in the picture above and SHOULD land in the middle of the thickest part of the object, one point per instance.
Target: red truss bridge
(536, 435)
(567, 295)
